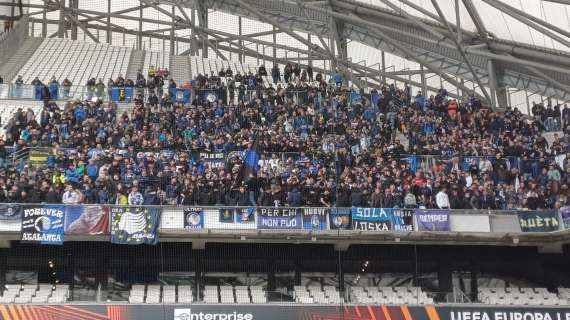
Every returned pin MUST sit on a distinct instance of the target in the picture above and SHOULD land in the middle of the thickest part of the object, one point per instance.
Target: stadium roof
(497, 48)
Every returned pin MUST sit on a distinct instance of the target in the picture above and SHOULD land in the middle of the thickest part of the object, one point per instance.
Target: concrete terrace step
(10, 66)
(135, 64)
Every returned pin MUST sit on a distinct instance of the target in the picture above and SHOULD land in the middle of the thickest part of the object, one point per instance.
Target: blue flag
(355, 97)
(252, 161)
(39, 92)
(53, 91)
(179, 95)
(413, 162)
(135, 225)
(121, 94)
(43, 224)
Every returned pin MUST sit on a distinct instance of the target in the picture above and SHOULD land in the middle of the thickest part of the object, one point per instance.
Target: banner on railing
(432, 220)
(135, 225)
(340, 219)
(214, 159)
(372, 219)
(193, 218)
(10, 217)
(538, 221)
(280, 311)
(86, 220)
(121, 94)
(403, 220)
(245, 215)
(43, 224)
(180, 95)
(210, 95)
(279, 218)
(565, 214)
(315, 218)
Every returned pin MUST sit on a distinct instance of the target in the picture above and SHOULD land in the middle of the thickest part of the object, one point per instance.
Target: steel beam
(405, 51)
(475, 17)
(461, 50)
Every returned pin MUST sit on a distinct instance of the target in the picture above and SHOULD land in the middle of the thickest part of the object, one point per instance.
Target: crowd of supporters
(303, 142)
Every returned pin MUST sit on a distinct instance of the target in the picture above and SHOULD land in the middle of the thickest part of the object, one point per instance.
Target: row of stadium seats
(523, 296)
(52, 59)
(238, 294)
(42, 293)
(316, 294)
(389, 295)
(203, 66)
(153, 294)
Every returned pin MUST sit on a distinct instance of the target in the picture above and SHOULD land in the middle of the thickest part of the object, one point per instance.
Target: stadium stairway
(180, 69)
(9, 67)
(135, 64)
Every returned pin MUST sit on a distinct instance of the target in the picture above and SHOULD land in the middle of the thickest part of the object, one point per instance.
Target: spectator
(71, 195)
(442, 200)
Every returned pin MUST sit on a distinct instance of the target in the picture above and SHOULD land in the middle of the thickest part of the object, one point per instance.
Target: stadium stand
(42, 293)
(520, 296)
(98, 61)
(389, 295)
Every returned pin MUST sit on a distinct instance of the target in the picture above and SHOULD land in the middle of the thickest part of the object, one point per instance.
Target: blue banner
(315, 218)
(53, 91)
(180, 95)
(355, 97)
(43, 224)
(372, 219)
(470, 161)
(39, 92)
(121, 94)
(340, 219)
(245, 215)
(212, 95)
(403, 220)
(432, 220)
(375, 98)
(279, 218)
(193, 218)
(412, 161)
(135, 225)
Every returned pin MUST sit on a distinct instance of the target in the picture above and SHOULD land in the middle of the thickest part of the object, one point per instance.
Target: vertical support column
(332, 45)
(74, 4)
(172, 31)
(492, 83)
(139, 36)
(274, 44)
(527, 102)
(271, 280)
(340, 270)
(310, 55)
(203, 23)
(193, 48)
(3, 267)
(61, 24)
(474, 283)
(424, 82)
(197, 257)
(109, 33)
(44, 23)
(240, 33)
(383, 56)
